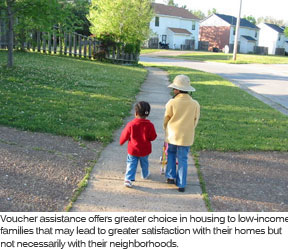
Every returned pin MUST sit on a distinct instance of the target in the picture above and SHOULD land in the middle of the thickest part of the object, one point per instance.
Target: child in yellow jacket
(180, 120)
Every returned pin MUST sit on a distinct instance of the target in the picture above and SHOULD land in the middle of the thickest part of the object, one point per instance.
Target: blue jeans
(180, 174)
(132, 162)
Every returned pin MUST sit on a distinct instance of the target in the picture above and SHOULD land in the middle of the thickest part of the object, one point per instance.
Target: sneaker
(128, 184)
(181, 190)
(170, 181)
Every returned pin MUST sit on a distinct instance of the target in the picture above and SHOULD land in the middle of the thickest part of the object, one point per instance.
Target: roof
(168, 10)
(275, 27)
(249, 38)
(233, 20)
(180, 31)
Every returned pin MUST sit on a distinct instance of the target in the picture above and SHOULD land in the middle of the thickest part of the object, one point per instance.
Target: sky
(257, 8)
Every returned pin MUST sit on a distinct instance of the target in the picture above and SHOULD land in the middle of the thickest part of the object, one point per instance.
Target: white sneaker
(128, 184)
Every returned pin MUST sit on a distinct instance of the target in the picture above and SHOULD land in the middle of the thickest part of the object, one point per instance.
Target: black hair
(180, 91)
(142, 109)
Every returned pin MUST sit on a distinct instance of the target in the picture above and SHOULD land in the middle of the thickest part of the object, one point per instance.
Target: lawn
(228, 58)
(67, 96)
(147, 51)
(231, 119)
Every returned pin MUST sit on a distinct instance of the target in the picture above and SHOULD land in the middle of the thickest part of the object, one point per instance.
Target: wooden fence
(71, 44)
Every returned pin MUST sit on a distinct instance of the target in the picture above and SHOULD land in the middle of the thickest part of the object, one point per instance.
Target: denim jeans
(180, 174)
(132, 162)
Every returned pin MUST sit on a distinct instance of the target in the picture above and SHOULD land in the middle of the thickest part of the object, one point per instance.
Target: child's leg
(171, 162)
(132, 162)
(144, 166)
(182, 166)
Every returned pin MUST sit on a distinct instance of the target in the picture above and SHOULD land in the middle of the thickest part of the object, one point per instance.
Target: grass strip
(228, 58)
(81, 186)
(202, 182)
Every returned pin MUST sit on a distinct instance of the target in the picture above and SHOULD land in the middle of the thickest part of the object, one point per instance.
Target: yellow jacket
(180, 120)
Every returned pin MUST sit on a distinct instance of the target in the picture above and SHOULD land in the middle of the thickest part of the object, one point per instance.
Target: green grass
(66, 96)
(231, 119)
(202, 182)
(227, 58)
(146, 51)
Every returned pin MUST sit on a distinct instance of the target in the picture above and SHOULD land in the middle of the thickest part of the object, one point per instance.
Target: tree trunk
(10, 32)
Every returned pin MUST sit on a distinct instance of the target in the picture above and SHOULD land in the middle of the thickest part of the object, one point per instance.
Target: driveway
(267, 82)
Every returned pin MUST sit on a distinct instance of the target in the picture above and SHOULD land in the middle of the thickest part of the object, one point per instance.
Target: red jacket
(139, 133)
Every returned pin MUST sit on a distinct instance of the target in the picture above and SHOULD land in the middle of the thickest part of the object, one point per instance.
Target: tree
(272, 20)
(37, 13)
(200, 14)
(171, 3)
(250, 18)
(212, 11)
(127, 20)
(286, 31)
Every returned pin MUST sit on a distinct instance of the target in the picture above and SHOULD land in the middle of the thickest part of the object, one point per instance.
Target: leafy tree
(212, 11)
(24, 16)
(250, 18)
(272, 20)
(28, 13)
(200, 14)
(171, 3)
(127, 20)
(286, 31)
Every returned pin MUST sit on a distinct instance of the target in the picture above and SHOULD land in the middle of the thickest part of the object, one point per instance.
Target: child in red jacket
(139, 133)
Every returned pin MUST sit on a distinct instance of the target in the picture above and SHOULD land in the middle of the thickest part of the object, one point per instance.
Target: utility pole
(237, 33)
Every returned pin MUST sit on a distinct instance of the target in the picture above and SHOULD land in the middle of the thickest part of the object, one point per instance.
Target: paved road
(269, 83)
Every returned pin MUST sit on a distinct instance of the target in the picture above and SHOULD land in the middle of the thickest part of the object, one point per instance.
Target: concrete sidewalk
(106, 192)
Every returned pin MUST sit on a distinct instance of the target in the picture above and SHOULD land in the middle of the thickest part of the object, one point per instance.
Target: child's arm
(197, 115)
(153, 134)
(168, 115)
(125, 135)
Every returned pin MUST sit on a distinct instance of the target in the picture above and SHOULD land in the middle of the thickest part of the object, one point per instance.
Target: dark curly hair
(142, 109)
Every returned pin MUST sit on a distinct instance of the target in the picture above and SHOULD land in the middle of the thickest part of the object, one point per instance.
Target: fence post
(80, 45)
(70, 44)
(33, 41)
(85, 46)
(60, 42)
(54, 42)
(75, 44)
(38, 41)
(65, 43)
(90, 49)
(113, 53)
(44, 42)
(28, 44)
(49, 43)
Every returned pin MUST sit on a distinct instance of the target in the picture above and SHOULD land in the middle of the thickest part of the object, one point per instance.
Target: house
(272, 36)
(219, 30)
(174, 26)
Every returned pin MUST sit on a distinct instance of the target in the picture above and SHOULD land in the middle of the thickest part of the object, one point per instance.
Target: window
(234, 32)
(164, 39)
(193, 25)
(157, 21)
(256, 34)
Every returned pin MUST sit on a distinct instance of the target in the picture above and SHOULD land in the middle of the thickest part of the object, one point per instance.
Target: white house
(175, 26)
(219, 30)
(272, 36)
